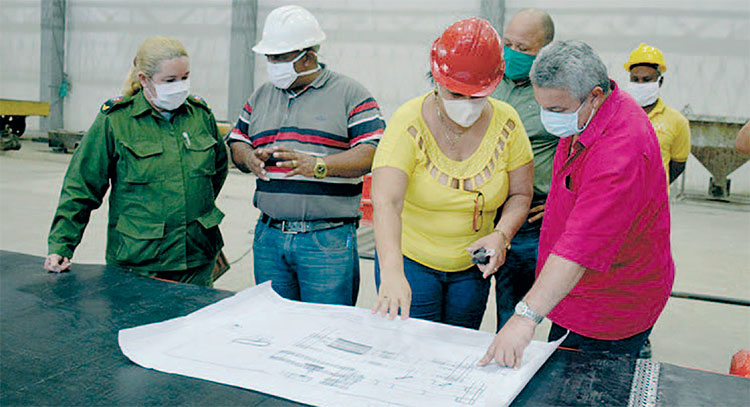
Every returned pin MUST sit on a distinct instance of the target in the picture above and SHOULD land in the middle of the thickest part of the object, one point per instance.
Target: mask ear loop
(591, 116)
(144, 88)
(151, 93)
(309, 71)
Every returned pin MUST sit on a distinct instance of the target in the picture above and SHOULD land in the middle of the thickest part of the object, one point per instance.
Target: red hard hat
(468, 58)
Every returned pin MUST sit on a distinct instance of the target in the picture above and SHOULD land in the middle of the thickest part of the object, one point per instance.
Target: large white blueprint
(329, 355)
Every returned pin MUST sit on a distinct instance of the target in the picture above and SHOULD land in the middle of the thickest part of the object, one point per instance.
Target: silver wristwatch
(523, 310)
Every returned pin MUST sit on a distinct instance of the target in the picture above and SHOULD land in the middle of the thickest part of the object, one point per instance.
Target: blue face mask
(517, 64)
(563, 124)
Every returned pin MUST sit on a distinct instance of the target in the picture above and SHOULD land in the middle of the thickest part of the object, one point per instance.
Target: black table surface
(58, 346)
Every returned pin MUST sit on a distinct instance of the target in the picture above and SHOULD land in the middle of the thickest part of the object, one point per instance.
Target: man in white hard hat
(309, 135)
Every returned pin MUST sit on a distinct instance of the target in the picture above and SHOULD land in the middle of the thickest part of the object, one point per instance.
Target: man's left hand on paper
(508, 346)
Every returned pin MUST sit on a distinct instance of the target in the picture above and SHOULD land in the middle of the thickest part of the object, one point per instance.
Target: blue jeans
(626, 347)
(456, 298)
(514, 278)
(320, 266)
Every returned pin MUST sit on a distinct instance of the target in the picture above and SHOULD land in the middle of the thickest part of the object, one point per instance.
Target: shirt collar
(141, 105)
(520, 83)
(658, 108)
(603, 115)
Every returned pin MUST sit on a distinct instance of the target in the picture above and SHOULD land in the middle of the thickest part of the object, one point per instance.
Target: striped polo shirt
(331, 115)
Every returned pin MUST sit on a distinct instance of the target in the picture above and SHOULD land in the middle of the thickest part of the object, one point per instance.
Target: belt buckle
(284, 230)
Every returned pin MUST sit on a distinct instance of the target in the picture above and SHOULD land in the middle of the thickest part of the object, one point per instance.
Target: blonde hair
(150, 54)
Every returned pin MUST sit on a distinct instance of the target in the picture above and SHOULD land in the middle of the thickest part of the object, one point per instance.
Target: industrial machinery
(13, 120)
(712, 140)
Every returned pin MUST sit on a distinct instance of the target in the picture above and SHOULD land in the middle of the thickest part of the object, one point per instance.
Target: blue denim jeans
(626, 347)
(320, 266)
(514, 278)
(456, 298)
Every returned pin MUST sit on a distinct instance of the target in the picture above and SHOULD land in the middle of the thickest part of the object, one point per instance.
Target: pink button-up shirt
(608, 211)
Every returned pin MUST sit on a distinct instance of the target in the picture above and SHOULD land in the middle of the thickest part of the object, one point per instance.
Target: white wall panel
(103, 37)
(706, 44)
(20, 34)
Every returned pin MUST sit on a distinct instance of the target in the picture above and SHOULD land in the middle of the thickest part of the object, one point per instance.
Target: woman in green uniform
(162, 154)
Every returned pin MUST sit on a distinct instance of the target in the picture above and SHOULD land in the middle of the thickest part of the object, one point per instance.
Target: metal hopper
(712, 139)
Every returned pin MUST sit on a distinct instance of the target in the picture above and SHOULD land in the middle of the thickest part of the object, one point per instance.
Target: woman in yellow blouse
(447, 161)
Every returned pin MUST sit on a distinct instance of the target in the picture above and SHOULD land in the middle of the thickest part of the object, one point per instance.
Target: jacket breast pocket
(140, 239)
(201, 156)
(142, 161)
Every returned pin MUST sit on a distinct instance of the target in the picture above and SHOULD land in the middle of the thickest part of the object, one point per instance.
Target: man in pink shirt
(605, 266)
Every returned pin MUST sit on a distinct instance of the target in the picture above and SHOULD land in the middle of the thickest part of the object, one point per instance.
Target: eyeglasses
(478, 220)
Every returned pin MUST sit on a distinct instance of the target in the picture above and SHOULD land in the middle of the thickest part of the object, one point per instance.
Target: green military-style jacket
(164, 176)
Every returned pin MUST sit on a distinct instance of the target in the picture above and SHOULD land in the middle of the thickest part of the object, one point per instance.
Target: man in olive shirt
(527, 32)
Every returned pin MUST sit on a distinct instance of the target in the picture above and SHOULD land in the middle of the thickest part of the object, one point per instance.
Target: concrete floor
(710, 242)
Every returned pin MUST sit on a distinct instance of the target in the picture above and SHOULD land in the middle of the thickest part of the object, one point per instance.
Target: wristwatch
(320, 170)
(523, 310)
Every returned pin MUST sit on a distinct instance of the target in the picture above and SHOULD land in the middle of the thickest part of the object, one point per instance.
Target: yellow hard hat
(646, 54)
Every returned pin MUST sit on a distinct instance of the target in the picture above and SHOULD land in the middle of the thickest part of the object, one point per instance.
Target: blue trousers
(516, 276)
(456, 298)
(320, 266)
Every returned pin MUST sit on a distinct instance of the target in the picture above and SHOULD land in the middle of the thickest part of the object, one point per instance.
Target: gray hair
(571, 65)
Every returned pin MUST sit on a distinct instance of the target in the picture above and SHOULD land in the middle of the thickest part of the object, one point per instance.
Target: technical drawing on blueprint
(329, 355)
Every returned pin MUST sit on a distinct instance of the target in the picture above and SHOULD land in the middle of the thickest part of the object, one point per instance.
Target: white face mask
(564, 124)
(170, 96)
(645, 94)
(283, 75)
(464, 112)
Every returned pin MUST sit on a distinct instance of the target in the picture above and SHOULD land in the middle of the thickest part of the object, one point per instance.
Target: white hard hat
(287, 29)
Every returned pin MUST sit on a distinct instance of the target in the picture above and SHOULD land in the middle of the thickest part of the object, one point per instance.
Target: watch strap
(321, 169)
(523, 309)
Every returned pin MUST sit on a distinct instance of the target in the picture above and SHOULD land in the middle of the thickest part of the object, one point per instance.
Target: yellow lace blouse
(439, 206)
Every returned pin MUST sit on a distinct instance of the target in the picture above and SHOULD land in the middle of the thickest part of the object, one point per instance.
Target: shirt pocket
(560, 202)
(201, 157)
(211, 219)
(142, 161)
(139, 240)
(203, 235)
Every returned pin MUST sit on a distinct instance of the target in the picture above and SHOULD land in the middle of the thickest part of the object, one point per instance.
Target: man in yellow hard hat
(646, 66)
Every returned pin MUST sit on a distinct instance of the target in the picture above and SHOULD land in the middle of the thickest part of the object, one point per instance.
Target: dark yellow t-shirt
(440, 198)
(673, 131)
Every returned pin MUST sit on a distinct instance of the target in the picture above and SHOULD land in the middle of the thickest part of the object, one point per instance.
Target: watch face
(320, 170)
(523, 310)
